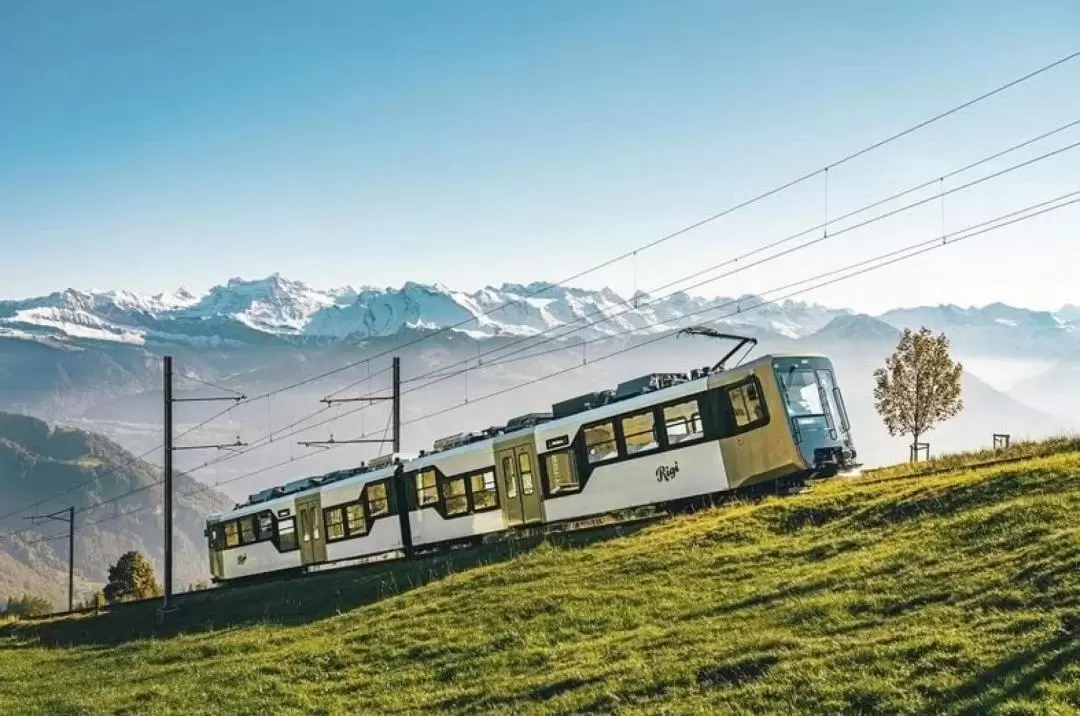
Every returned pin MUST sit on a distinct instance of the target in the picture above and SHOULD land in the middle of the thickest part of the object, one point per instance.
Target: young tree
(919, 387)
(132, 577)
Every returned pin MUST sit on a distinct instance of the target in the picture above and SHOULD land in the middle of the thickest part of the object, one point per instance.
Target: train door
(519, 482)
(216, 541)
(747, 448)
(312, 538)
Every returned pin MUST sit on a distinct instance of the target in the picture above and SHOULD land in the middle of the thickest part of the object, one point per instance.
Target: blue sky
(149, 145)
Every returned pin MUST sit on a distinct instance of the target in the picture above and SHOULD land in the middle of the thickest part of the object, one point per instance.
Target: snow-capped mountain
(275, 308)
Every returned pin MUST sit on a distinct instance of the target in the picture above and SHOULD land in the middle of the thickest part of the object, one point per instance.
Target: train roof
(373, 469)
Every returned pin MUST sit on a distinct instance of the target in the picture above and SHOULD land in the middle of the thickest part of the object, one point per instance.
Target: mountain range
(275, 310)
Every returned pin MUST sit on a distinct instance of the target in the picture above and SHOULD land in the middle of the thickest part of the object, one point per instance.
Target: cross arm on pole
(236, 398)
(332, 441)
(66, 512)
(369, 399)
(216, 446)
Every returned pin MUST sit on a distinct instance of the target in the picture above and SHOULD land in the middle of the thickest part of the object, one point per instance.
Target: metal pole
(71, 558)
(397, 404)
(168, 426)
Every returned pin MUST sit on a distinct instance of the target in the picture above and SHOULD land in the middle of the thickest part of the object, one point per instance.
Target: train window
(560, 473)
(682, 422)
(335, 523)
(286, 530)
(213, 535)
(508, 477)
(457, 501)
(483, 490)
(600, 442)
(746, 404)
(639, 433)
(265, 526)
(427, 488)
(247, 530)
(232, 534)
(376, 499)
(355, 521)
(526, 472)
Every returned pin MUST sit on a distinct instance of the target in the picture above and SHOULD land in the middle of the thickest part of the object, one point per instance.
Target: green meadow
(952, 587)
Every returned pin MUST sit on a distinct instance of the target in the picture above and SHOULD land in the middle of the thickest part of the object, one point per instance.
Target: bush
(28, 606)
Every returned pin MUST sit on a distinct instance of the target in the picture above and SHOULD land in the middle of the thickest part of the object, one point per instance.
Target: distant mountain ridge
(278, 310)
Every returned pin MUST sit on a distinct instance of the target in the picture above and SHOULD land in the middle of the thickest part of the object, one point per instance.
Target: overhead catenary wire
(924, 246)
(568, 327)
(208, 384)
(696, 225)
(505, 359)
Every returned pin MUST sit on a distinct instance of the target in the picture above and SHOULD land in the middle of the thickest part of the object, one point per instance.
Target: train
(658, 440)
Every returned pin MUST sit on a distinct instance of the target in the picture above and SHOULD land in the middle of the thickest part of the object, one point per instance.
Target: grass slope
(954, 593)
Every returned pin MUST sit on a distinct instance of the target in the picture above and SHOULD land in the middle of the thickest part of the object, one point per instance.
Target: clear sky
(149, 145)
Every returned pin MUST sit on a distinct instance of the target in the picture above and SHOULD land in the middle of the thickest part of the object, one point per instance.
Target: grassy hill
(38, 461)
(956, 592)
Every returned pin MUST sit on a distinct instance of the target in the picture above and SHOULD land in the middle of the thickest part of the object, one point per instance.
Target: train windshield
(814, 402)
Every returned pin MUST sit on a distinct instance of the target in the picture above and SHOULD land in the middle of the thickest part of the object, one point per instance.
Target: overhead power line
(259, 444)
(923, 247)
(696, 225)
(568, 330)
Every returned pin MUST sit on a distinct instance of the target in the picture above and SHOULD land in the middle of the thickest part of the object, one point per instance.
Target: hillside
(38, 461)
(816, 603)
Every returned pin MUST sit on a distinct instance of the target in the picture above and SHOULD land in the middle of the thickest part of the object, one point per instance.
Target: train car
(340, 516)
(656, 440)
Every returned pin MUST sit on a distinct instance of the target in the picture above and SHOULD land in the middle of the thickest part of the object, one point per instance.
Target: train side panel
(252, 559)
(429, 527)
(646, 479)
(384, 536)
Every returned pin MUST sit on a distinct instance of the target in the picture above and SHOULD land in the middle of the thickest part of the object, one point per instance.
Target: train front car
(816, 414)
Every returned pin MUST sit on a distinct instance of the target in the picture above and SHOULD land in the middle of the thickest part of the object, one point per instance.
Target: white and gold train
(658, 440)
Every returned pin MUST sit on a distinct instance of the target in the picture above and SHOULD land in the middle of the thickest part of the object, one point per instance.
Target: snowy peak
(275, 309)
(273, 304)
